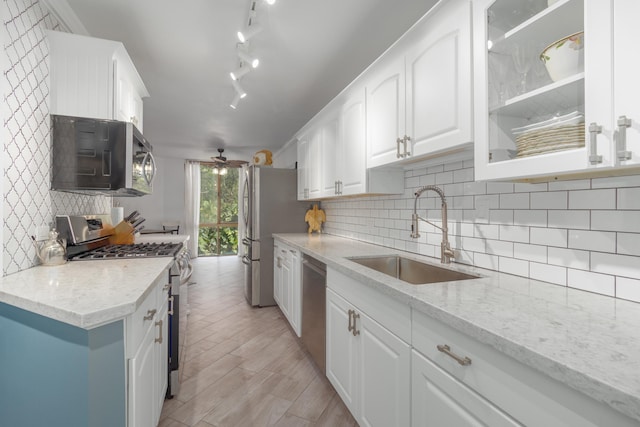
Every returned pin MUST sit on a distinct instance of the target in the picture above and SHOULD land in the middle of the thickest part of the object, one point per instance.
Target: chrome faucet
(446, 253)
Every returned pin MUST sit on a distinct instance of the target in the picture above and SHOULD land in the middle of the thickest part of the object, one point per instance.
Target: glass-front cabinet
(543, 88)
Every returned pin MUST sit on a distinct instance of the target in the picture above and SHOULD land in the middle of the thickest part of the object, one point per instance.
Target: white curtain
(192, 204)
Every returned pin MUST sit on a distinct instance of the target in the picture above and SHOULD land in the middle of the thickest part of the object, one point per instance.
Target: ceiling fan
(221, 161)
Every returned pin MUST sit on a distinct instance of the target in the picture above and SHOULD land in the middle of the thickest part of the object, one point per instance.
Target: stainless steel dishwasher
(314, 275)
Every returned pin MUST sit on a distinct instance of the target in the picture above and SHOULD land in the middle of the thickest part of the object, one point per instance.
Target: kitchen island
(583, 340)
(65, 345)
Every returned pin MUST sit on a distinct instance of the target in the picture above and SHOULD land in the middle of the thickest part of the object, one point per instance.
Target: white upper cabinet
(331, 147)
(419, 99)
(626, 33)
(303, 167)
(582, 122)
(94, 78)
(352, 158)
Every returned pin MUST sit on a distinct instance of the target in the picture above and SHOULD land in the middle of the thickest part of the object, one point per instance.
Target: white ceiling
(184, 51)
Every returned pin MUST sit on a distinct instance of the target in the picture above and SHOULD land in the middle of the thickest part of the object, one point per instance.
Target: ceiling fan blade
(220, 160)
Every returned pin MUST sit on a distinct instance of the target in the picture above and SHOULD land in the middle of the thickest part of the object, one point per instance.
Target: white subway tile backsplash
(628, 244)
(521, 187)
(513, 266)
(514, 201)
(499, 187)
(549, 236)
(501, 217)
(628, 198)
(569, 219)
(580, 233)
(616, 182)
(582, 184)
(628, 289)
(514, 233)
(592, 199)
(550, 200)
(530, 218)
(615, 265)
(572, 258)
(548, 273)
(592, 282)
(625, 221)
(528, 252)
(603, 241)
(500, 248)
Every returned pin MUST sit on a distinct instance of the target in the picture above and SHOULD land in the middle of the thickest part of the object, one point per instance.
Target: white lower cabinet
(146, 334)
(368, 364)
(287, 284)
(438, 399)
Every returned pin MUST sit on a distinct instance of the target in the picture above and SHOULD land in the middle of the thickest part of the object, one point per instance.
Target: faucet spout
(446, 253)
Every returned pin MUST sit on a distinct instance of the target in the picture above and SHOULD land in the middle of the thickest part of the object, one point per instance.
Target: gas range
(137, 250)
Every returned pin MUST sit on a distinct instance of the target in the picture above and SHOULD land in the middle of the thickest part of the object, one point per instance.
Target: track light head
(234, 103)
(270, 2)
(244, 55)
(251, 31)
(241, 93)
(239, 72)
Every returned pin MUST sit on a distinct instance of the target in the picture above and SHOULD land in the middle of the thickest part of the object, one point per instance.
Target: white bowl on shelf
(565, 57)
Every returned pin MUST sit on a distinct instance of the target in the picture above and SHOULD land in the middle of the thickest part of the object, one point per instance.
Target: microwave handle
(149, 157)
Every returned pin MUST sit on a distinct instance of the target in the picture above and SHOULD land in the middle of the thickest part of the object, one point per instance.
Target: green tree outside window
(218, 211)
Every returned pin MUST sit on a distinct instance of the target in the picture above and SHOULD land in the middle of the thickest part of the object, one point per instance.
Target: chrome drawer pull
(351, 313)
(447, 350)
(166, 287)
(159, 339)
(150, 314)
(355, 331)
(398, 142)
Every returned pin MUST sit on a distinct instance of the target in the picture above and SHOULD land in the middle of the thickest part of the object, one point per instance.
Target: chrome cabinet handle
(279, 262)
(404, 141)
(159, 339)
(594, 130)
(171, 305)
(150, 314)
(443, 348)
(623, 123)
(339, 187)
(351, 313)
(355, 331)
(398, 141)
(166, 287)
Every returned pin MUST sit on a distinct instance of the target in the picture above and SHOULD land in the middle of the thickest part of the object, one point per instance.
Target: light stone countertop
(87, 294)
(588, 341)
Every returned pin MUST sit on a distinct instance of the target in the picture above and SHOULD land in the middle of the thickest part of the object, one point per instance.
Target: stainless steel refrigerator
(269, 206)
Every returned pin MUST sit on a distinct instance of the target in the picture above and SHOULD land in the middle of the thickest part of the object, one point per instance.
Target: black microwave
(100, 156)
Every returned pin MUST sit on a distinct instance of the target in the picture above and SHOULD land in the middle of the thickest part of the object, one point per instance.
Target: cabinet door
(331, 146)
(384, 364)
(352, 156)
(296, 291)
(342, 351)
(122, 102)
(287, 296)
(439, 101)
(277, 274)
(315, 164)
(303, 168)
(142, 399)
(386, 113)
(627, 85)
(438, 399)
(161, 343)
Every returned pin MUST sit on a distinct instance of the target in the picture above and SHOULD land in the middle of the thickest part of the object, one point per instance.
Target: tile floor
(244, 366)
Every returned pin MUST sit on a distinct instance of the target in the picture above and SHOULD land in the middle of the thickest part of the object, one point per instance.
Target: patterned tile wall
(583, 234)
(28, 202)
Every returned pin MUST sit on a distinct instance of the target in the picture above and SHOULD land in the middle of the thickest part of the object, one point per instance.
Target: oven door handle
(246, 260)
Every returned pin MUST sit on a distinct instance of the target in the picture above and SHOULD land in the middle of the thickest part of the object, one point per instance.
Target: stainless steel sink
(411, 271)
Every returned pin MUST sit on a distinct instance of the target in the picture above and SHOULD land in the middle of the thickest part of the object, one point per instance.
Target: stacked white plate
(555, 134)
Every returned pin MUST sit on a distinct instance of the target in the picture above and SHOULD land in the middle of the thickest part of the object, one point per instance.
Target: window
(218, 211)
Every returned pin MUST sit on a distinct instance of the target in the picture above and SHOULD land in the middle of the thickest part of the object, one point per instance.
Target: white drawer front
(143, 318)
(387, 311)
(528, 396)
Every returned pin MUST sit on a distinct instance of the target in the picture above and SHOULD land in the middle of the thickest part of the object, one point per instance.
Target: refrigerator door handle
(246, 260)
(246, 241)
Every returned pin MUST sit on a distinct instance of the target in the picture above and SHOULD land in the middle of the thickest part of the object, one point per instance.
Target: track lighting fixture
(239, 72)
(244, 55)
(251, 31)
(241, 93)
(234, 103)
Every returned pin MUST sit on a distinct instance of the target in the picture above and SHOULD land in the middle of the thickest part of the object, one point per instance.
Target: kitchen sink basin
(411, 271)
